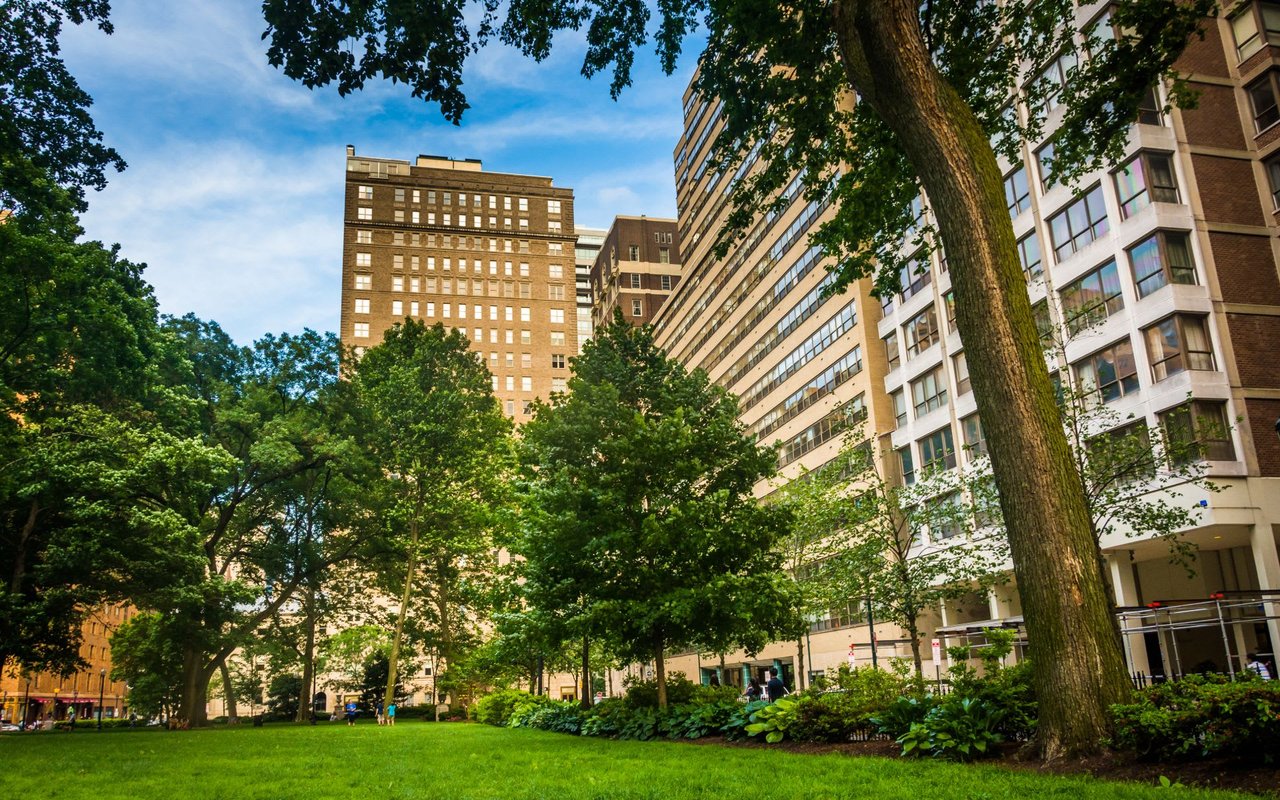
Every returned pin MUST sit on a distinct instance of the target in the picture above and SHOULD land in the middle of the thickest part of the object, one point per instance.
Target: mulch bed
(1210, 774)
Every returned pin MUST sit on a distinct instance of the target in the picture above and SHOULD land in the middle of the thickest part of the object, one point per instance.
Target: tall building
(1159, 278)
(488, 253)
(590, 240)
(637, 268)
(804, 365)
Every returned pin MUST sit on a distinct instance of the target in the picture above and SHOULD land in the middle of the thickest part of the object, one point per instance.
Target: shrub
(644, 694)
(960, 729)
(696, 721)
(605, 718)
(525, 708)
(898, 717)
(555, 716)
(496, 708)
(426, 712)
(829, 717)
(775, 720)
(1201, 716)
(1009, 691)
(641, 724)
(736, 726)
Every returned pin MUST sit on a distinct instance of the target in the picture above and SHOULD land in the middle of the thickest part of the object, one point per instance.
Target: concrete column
(1126, 591)
(993, 604)
(1266, 560)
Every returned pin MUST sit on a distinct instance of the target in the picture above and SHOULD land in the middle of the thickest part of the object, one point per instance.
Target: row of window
(448, 241)
(526, 385)
(434, 197)
(446, 312)
(664, 253)
(399, 215)
(523, 289)
(635, 280)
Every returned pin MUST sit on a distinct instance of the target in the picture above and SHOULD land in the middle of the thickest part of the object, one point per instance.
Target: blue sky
(233, 195)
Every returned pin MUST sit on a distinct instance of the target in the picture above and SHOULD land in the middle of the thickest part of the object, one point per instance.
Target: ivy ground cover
(460, 760)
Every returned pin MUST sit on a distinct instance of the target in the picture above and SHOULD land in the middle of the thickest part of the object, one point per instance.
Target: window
(908, 466)
(1108, 374)
(415, 217)
(364, 237)
(554, 292)
(1045, 162)
(914, 276)
(961, 368)
(364, 213)
(891, 351)
(1178, 344)
(397, 283)
(364, 281)
(1246, 23)
(1149, 109)
(559, 385)
(445, 310)
(634, 280)
(1161, 259)
(360, 330)
(362, 305)
(526, 384)
(553, 226)
(555, 271)
(944, 517)
(637, 308)
(398, 215)
(557, 316)
(1017, 194)
(526, 337)
(431, 309)
(664, 281)
(364, 192)
(899, 407)
(1048, 85)
(938, 452)
(1082, 221)
(553, 206)
(1262, 96)
(397, 308)
(557, 361)
(397, 261)
(664, 255)
(949, 305)
(1147, 178)
(1029, 256)
(1092, 298)
(526, 314)
(557, 338)
(1273, 177)
(1198, 430)
(929, 392)
(524, 204)
(922, 332)
(413, 309)
(975, 441)
(633, 252)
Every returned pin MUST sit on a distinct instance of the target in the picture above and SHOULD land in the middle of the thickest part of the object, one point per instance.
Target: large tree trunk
(1079, 669)
(307, 707)
(660, 672)
(193, 709)
(411, 565)
(229, 693)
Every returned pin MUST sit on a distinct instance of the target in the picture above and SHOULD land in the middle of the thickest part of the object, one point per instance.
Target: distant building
(636, 270)
(487, 253)
(590, 240)
(44, 695)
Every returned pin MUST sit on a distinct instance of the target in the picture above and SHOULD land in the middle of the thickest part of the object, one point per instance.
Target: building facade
(489, 254)
(636, 270)
(585, 251)
(1156, 278)
(43, 696)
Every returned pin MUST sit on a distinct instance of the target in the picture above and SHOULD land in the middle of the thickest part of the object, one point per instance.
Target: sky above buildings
(233, 195)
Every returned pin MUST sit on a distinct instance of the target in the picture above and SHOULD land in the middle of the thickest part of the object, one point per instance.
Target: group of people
(385, 716)
(773, 690)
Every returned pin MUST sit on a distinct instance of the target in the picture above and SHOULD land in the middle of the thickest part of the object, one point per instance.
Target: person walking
(391, 713)
(71, 719)
(1258, 666)
(752, 692)
(351, 709)
(776, 688)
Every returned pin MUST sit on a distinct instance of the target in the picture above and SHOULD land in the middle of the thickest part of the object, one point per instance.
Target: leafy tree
(148, 658)
(929, 104)
(642, 529)
(439, 438)
(285, 694)
(50, 148)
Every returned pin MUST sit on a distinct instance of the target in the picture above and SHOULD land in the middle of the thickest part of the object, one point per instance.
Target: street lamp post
(102, 688)
(26, 703)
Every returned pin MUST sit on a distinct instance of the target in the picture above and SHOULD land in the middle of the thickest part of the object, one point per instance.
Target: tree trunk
(1078, 667)
(914, 632)
(660, 672)
(800, 673)
(193, 709)
(393, 658)
(307, 707)
(585, 701)
(229, 693)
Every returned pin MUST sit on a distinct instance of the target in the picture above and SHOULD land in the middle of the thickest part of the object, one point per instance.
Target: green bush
(525, 708)
(959, 729)
(426, 712)
(644, 694)
(606, 718)
(1201, 716)
(829, 717)
(775, 720)
(496, 708)
(898, 717)
(555, 716)
(740, 718)
(698, 720)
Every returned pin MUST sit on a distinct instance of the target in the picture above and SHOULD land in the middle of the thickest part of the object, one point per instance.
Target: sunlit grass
(454, 760)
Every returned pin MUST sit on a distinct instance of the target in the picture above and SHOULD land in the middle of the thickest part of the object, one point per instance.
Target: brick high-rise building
(636, 270)
(488, 253)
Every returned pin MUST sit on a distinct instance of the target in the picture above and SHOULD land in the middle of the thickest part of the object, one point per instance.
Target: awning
(976, 627)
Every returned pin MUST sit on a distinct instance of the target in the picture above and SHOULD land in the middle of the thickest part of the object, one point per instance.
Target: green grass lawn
(453, 760)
